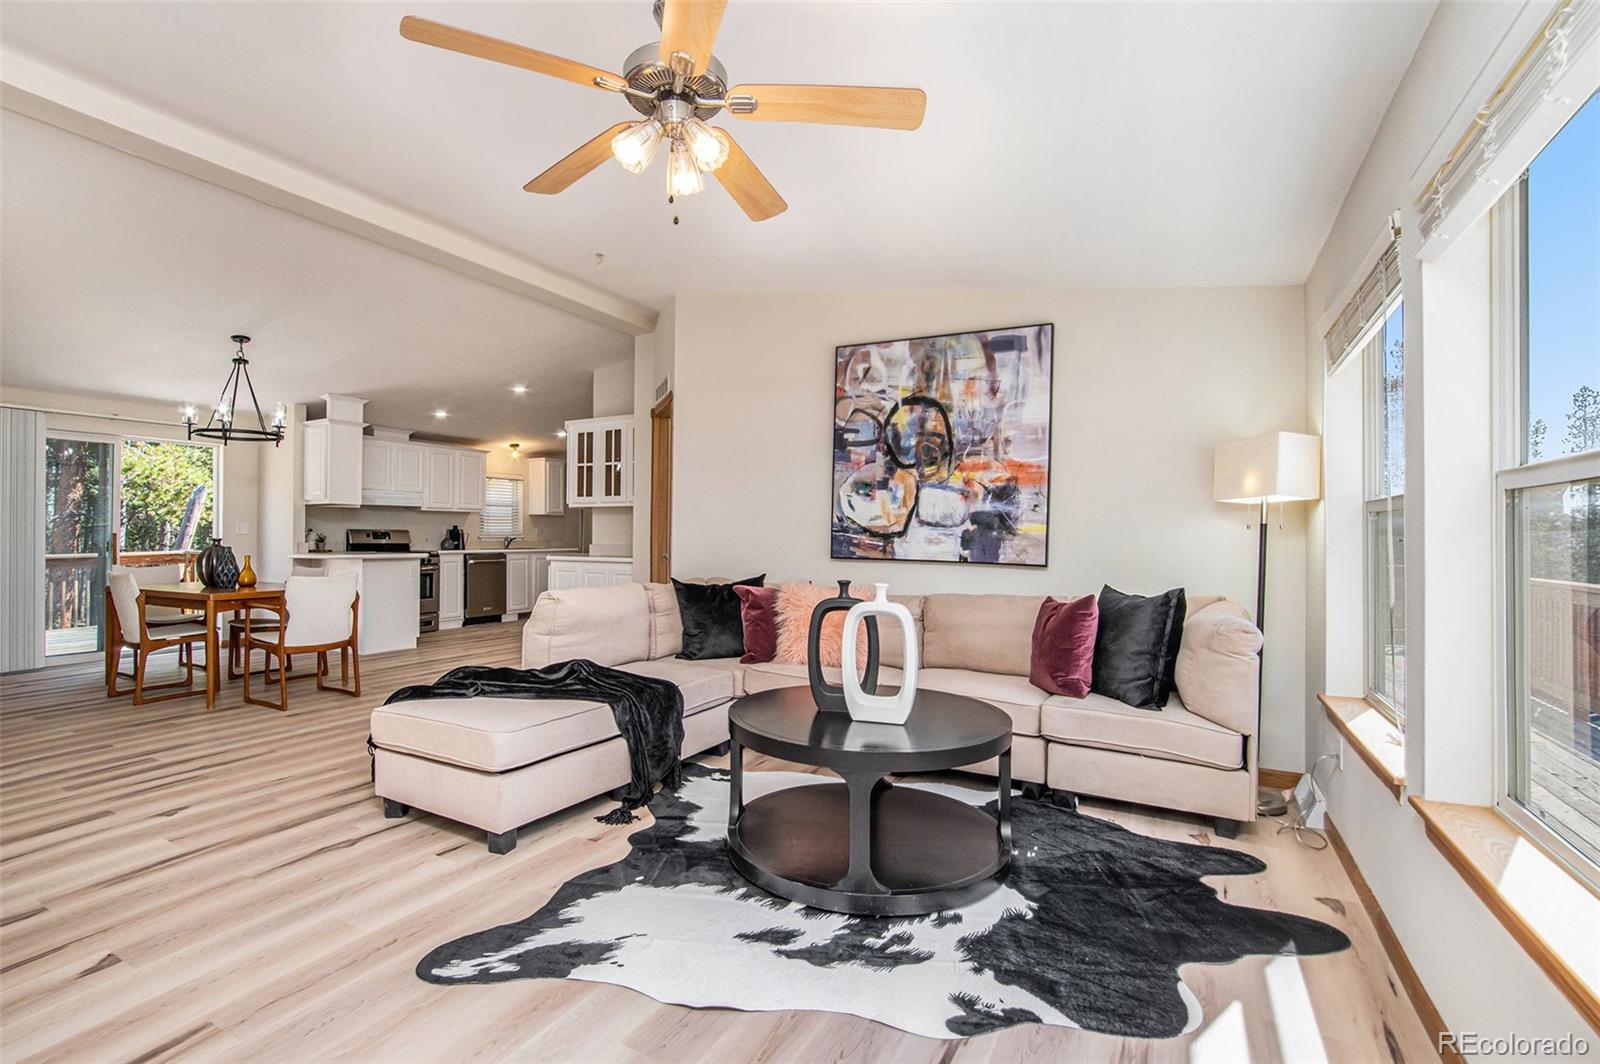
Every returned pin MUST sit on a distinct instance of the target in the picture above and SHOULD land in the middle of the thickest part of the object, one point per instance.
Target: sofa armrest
(606, 625)
(1219, 665)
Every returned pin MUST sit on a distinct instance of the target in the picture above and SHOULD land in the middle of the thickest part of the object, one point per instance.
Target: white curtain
(22, 589)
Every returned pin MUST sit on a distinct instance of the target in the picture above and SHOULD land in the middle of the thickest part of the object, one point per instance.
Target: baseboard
(1426, 1011)
(1279, 779)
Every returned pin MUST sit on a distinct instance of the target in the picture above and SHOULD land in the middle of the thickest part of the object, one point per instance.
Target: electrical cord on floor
(1295, 819)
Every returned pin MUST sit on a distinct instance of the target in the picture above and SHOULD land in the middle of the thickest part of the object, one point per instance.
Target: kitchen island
(390, 588)
(589, 570)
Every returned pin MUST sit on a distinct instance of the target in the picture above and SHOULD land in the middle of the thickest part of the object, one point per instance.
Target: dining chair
(135, 632)
(264, 625)
(319, 614)
(160, 616)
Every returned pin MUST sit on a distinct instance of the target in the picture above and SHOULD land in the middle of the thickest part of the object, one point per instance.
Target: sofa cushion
(1136, 646)
(491, 734)
(710, 613)
(732, 666)
(766, 675)
(1063, 646)
(891, 641)
(1218, 666)
(666, 624)
(1014, 694)
(988, 633)
(607, 625)
(758, 614)
(701, 686)
(1171, 733)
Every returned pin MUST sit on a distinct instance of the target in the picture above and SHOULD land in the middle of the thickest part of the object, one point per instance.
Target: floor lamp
(1278, 467)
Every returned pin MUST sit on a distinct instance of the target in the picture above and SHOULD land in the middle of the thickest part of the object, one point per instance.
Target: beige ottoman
(500, 763)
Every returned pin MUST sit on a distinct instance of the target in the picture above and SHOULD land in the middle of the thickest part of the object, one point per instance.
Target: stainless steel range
(398, 541)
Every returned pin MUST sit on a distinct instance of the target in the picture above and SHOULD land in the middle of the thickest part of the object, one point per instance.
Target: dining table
(207, 602)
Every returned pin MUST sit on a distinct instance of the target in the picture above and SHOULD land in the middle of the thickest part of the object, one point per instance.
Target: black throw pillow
(712, 626)
(1136, 646)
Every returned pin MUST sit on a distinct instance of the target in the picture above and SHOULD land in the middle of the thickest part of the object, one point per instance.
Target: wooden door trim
(661, 490)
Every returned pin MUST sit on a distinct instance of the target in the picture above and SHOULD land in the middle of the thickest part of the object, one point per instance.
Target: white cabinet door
(438, 485)
(469, 473)
(546, 487)
(621, 574)
(582, 483)
(408, 469)
(519, 583)
(565, 575)
(377, 467)
(600, 461)
(452, 589)
(616, 464)
(316, 464)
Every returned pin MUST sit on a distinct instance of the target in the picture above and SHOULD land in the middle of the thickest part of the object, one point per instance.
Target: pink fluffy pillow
(795, 603)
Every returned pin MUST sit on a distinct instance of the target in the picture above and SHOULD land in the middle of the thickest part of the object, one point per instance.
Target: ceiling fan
(677, 84)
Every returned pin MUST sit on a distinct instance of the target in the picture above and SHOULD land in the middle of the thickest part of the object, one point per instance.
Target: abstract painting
(941, 448)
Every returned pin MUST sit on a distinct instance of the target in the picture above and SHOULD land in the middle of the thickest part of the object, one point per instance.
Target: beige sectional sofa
(498, 763)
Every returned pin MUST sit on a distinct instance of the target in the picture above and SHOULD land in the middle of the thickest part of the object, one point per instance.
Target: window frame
(1371, 355)
(219, 532)
(1514, 473)
(519, 498)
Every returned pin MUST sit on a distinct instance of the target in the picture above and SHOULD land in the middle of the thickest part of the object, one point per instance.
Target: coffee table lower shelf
(926, 851)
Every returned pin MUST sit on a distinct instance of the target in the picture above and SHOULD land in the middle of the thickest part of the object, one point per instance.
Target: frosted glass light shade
(1276, 467)
(683, 176)
(708, 148)
(635, 146)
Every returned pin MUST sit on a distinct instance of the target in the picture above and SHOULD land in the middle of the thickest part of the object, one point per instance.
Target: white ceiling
(1069, 143)
(124, 278)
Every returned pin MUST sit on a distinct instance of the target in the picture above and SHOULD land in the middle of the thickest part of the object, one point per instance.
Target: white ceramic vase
(879, 709)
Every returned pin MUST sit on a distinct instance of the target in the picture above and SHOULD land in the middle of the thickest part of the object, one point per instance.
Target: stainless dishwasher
(486, 587)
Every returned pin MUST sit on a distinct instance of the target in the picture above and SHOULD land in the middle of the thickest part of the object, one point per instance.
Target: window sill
(1373, 737)
(1552, 914)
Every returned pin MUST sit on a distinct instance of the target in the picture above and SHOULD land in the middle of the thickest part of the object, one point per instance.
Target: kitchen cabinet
(452, 589)
(519, 582)
(570, 572)
(600, 461)
(545, 487)
(468, 487)
(391, 472)
(438, 479)
(333, 453)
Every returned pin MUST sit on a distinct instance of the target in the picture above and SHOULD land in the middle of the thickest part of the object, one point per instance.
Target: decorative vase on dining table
(867, 705)
(217, 567)
(247, 575)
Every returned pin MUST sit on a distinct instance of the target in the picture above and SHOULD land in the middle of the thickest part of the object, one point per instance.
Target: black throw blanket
(648, 711)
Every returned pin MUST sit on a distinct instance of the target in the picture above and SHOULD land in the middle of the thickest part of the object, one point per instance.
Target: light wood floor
(182, 884)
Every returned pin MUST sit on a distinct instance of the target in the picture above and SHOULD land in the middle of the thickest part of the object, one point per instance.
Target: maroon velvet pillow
(1063, 646)
(758, 610)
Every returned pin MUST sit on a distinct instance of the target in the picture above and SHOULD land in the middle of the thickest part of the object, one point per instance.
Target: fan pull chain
(673, 200)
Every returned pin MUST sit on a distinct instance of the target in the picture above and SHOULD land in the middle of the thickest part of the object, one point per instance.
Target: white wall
(1146, 384)
(1477, 975)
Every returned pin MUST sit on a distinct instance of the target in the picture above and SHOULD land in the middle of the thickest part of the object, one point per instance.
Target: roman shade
(1365, 308)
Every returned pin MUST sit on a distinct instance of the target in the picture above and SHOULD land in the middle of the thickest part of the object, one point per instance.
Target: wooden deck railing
(1564, 645)
(73, 583)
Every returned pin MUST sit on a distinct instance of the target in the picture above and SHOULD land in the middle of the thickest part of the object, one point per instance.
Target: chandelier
(220, 426)
(694, 147)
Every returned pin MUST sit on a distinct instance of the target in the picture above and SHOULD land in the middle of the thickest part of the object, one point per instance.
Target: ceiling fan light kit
(676, 83)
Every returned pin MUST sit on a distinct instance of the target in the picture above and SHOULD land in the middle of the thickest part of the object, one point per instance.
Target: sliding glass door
(80, 534)
(117, 500)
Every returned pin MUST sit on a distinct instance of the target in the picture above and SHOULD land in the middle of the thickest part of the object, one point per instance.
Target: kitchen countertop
(367, 556)
(592, 558)
(511, 550)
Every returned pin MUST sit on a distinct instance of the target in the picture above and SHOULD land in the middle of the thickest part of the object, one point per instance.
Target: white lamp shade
(1277, 467)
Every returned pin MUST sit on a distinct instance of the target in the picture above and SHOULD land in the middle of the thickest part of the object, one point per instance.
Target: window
(502, 507)
(169, 496)
(1383, 408)
(1547, 273)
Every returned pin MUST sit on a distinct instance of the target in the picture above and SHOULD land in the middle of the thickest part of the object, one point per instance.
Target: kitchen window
(1547, 271)
(502, 507)
(1383, 411)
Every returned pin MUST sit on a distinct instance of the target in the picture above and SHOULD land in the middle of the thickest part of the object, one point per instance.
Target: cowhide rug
(1088, 930)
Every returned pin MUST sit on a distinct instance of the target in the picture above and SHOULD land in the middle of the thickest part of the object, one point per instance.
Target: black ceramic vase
(216, 566)
(828, 697)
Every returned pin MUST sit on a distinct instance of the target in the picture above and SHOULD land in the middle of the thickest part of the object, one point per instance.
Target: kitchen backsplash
(427, 527)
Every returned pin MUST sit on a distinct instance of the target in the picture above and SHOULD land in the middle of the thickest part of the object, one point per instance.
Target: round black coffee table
(864, 846)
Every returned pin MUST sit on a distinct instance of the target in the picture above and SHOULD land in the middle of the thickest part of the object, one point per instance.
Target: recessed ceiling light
(561, 434)
(441, 413)
(519, 389)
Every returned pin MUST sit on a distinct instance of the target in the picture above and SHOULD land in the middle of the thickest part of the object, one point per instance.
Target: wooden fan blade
(466, 42)
(690, 26)
(835, 105)
(747, 185)
(574, 166)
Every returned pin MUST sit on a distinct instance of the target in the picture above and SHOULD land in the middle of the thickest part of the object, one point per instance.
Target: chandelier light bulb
(224, 415)
(280, 416)
(635, 146)
(683, 176)
(188, 413)
(708, 146)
